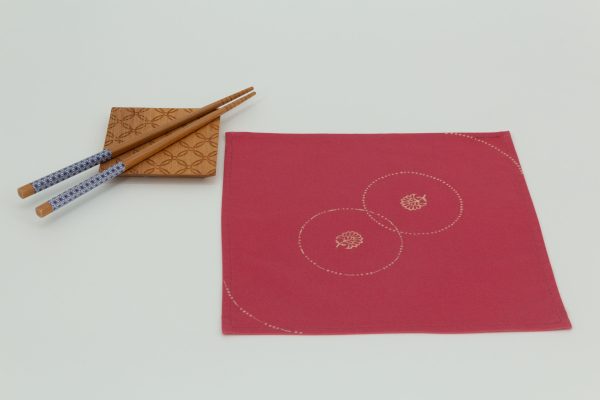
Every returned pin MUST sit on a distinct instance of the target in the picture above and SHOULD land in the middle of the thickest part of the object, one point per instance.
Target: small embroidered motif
(349, 240)
(386, 224)
(412, 202)
(419, 174)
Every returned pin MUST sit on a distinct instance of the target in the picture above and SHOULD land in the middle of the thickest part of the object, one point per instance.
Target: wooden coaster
(194, 156)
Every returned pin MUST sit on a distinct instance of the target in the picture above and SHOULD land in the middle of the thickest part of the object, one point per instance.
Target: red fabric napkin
(381, 233)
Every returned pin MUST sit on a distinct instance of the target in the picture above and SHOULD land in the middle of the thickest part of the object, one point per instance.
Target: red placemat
(381, 233)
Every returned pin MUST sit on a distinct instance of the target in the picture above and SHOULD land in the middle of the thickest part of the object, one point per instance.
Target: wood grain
(141, 154)
(193, 156)
(154, 131)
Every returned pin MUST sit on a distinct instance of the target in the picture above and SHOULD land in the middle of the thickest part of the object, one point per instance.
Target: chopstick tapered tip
(237, 102)
(26, 190)
(247, 96)
(240, 93)
(43, 209)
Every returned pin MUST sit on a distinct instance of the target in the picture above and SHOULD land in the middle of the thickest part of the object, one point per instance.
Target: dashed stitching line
(250, 315)
(516, 163)
(505, 154)
(396, 230)
(460, 201)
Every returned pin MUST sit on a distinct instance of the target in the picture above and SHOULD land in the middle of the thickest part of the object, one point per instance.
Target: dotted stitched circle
(250, 315)
(460, 201)
(331, 271)
(478, 140)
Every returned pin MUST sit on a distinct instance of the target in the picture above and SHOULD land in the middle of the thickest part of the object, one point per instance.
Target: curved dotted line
(250, 315)
(458, 196)
(505, 154)
(396, 230)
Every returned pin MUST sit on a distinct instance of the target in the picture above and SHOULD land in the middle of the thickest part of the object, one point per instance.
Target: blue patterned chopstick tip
(71, 170)
(79, 190)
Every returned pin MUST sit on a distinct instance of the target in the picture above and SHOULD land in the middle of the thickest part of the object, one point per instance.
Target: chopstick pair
(166, 134)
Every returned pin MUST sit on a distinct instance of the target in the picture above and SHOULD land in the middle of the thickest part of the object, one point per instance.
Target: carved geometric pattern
(194, 156)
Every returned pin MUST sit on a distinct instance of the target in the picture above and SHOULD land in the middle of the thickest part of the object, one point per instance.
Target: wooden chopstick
(116, 149)
(133, 159)
(178, 134)
(119, 148)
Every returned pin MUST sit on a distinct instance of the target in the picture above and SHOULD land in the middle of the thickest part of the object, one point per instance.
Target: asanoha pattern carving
(194, 156)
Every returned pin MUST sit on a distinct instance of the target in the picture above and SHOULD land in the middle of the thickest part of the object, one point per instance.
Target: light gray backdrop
(118, 296)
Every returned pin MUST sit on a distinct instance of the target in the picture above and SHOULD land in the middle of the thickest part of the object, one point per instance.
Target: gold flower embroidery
(412, 202)
(349, 240)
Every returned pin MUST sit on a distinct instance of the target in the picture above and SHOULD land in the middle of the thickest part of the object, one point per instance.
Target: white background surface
(118, 295)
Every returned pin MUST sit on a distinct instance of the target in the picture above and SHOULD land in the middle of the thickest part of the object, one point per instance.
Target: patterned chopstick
(133, 159)
(117, 149)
